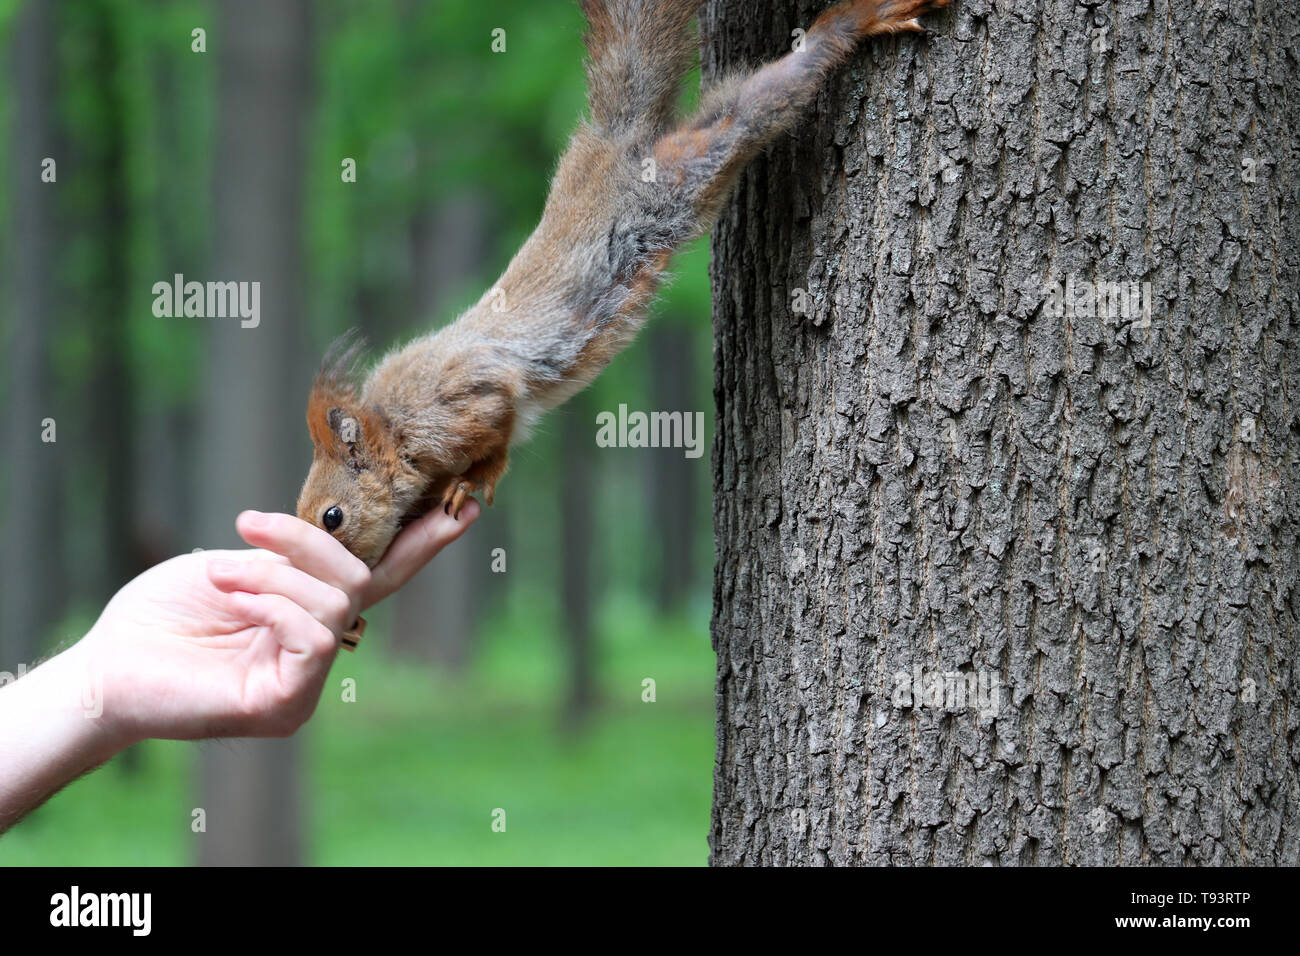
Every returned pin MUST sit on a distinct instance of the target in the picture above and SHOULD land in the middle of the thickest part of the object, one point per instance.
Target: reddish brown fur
(434, 421)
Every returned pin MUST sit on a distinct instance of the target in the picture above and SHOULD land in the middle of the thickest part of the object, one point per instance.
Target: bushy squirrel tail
(637, 53)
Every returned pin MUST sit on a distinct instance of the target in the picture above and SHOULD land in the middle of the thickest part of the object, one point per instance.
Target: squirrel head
(353, 489)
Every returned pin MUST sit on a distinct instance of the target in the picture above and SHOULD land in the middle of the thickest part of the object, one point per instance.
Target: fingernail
(255, 519)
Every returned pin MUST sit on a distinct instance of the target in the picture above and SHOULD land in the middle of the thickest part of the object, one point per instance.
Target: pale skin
(212, 644)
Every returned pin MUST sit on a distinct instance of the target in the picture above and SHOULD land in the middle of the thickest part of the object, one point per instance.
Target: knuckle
(358, 578)
(340, 605)
(231, 575)
(323, 641)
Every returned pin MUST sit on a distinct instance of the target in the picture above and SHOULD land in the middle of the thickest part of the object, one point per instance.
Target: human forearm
(51, 732)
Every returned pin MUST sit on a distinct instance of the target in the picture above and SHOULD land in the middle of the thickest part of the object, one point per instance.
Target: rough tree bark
(934, 467)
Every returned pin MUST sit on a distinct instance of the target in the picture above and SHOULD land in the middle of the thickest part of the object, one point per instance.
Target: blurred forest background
(476, 690)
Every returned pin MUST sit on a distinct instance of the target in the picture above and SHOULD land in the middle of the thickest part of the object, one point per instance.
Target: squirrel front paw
(459, 491)
(875, 17)
(482, 476)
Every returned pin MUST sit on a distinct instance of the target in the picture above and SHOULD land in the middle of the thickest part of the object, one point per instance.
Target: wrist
(81, 695)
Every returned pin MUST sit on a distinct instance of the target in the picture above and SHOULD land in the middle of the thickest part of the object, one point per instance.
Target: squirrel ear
(334, 408)
(344, 425)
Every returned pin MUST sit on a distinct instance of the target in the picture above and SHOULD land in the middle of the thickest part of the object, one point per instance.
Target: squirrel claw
(459, 491)
(454, 498)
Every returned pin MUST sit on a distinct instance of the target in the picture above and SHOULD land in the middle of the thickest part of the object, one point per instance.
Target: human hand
(239, 643)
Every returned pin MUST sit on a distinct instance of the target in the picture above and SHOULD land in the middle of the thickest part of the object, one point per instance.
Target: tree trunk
(671, 482)
(938, 467)
(165, 492)
(254, 448)
(110, 395)
(434, 617)
(577, 443)
(105, 294)
(29, 563)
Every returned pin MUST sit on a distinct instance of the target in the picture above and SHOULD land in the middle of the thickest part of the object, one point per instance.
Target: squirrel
(433, 422)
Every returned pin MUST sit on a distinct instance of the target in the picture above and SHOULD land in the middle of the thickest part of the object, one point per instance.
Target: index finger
(308, 548)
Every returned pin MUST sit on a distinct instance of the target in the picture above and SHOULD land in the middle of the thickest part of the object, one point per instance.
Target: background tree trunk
(30, 579)
(577, 539)
(110, 389)
(671, 477)
(254, 450)
(932, 470)
(436, 615)
(167, 436)
(110, 454)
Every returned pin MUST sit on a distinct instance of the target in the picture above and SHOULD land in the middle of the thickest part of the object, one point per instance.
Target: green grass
(412, 772)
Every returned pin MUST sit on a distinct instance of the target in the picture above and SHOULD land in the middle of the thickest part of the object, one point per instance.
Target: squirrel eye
(332, 518)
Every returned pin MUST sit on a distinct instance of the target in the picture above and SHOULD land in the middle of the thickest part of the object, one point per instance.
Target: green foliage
(410, 773)
(415, 94)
